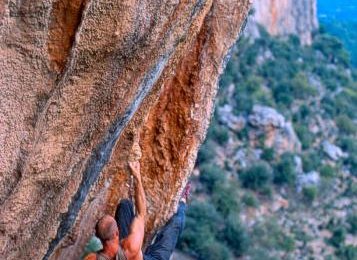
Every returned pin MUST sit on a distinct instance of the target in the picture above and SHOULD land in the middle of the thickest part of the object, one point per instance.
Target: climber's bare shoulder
(131, 253)
(133, 243)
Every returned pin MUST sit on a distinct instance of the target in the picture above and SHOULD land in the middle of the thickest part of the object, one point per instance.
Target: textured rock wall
(284, 17)
(79, 81)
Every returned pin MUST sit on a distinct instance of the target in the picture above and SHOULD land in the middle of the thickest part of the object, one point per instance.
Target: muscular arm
(140, 199)
(133, 243)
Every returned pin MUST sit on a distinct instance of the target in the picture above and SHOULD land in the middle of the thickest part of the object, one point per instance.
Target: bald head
(106, 228)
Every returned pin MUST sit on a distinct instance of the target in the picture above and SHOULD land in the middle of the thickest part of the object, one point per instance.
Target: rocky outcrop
(276, 132)
(80, 80)
(233, 122)
(284, 17)
(332, 151)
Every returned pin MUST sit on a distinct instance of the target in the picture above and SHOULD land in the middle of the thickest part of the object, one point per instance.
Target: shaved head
(106, 228)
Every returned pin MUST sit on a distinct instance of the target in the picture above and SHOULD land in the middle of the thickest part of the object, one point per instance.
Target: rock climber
(122, 237)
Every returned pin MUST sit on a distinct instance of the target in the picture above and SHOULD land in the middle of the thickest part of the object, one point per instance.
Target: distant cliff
(284, 17)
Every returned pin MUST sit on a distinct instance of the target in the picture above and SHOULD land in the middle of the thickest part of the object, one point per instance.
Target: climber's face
(112, 245)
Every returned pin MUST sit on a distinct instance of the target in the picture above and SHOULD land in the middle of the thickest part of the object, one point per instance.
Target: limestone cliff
(284, 17)
(78, 81)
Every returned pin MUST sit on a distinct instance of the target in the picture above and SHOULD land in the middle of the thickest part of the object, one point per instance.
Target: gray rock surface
(332, 151)
(307, 180)
(263, 116)
(278, 133)
(226, 116)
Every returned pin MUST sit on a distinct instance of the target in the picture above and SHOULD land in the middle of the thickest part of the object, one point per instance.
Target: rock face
(284, 17)
(80, 80)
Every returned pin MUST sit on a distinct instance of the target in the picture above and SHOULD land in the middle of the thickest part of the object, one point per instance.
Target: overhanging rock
(79, 79)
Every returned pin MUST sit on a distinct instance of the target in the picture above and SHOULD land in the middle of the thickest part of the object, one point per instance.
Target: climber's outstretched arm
(134, 241)
(140, 199)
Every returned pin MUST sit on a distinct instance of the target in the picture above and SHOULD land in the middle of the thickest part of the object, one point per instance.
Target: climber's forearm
(140, 199)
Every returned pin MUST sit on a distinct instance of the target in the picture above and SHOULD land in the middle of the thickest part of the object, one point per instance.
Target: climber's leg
(166, 240)
(124, 216)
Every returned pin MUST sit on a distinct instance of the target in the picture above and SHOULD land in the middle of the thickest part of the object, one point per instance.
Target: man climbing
(125, 242)
(122, 237)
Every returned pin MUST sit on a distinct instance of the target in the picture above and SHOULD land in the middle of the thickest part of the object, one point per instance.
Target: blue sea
(344, 10)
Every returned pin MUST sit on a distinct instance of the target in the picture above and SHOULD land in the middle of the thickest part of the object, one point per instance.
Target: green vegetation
(347, 253)
(257, 177)
(269, 236)
(306, 138)
(236, 236)
(352, 221)
(311, 161)
(315, 88)
(224, 197)
(211, 176)
(327, 171)
(202, 224)
(284, 170)
(347, 32)
(346, 125)
(217, 133)
(309, 193)
(250, 200)
(213, 230)
(338, 237)
(207, 152)
(268, 154)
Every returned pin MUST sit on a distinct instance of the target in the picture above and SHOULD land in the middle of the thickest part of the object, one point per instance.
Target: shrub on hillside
(236, 236)
(218, 133)
(332, 48)
(269, 235)
(202, 226)
(309, 194)
(282, 93)
(224, 197)
(301, 115)
(300, 87)
(256, 177)
(348, 252)
(211, 175)
(268, 154)
(215, 250)
(348, 144)
(351, 162)
(305, 136)
(206, 152)
(311, 161)
(284, 170)
(341, 104)
(338, 237)
(346, 125)
(351, 190)
(250, 200)
(327, 171)
(352, 221)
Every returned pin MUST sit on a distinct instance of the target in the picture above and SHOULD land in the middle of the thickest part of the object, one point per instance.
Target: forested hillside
(277, 175)
(339, 19)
